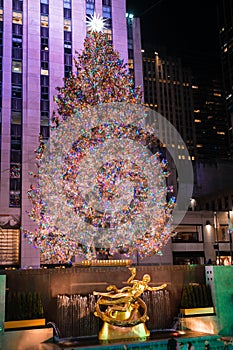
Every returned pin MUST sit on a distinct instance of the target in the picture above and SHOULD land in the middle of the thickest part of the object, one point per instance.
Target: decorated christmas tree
(70, 221)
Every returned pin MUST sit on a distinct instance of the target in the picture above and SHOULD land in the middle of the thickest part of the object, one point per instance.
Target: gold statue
(120, 309)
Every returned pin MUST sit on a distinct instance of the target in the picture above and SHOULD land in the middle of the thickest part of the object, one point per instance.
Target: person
(207, 345)
(172, 344)
(190, 346)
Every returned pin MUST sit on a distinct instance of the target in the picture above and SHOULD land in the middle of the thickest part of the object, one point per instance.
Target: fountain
(76, 313)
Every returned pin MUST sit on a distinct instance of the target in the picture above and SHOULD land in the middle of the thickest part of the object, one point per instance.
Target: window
(17, 5)
(46, 2)
(44, 118)
(16, 91)
(14, 199)
(226, 202)
(67, 36)
(10, 247)
(44, 32)
(44, 21)
(44, 9)
(67, 13)
(16, 134)
(68, 69)
(44, 93)
(90, 8)
(44, 71)
(67, 4)
(15, 156)
(17, 52)
(44, 105)
(16, 78)
(67, 25)
(44, 80)
(44, 65)
(16, 104)
(17, 17)
(15, 170)
(44, 56)
(68, 60)
(44, 131)
(108, 33)
(67, 48)
(17, 41)
(188, 233)
(17, 29)
(107, 12)
(15, 184)
(16, 117)
(16, 66)
(44, 44)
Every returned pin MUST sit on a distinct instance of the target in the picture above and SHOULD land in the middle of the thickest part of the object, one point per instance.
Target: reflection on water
(76, 313)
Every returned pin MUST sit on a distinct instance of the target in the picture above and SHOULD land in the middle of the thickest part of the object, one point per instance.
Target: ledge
(24, 323)
(197, 311)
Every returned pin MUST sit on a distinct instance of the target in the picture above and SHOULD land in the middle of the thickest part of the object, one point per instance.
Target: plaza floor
(42, 339)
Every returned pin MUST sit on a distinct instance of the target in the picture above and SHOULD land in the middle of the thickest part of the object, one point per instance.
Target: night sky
(179, 26)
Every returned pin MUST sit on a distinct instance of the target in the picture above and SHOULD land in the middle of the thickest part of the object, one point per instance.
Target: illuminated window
(197, 120)
(193, 158)
(17, 17)
(10, 245)
(44, 21)
(220, 132)
(217, 94)
(67, 25)
(108, 33)
(1, 14)
(44, 71)
(17, 66)
(199, 145)
(67, 4)
(196, 110)
(130, 64)
(194, 87)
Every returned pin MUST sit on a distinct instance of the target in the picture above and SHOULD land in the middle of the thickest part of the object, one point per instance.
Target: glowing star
(95, 23)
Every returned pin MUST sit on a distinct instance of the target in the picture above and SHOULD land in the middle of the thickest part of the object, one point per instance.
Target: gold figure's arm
(157, 288)
(133, 274)
(110, 290)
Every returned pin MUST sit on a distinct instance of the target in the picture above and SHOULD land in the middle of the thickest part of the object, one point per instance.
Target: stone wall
(75, 280)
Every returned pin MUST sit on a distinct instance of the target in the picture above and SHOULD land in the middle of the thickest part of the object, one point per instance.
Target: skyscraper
(168, 90)
(38, 42)
(225, 24)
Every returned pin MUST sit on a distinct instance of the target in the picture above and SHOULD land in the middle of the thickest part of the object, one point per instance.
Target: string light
(98, 183)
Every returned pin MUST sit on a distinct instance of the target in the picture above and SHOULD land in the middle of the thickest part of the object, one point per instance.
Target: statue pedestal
(111, 332)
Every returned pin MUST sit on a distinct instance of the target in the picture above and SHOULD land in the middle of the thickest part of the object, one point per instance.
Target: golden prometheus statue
(123, 312)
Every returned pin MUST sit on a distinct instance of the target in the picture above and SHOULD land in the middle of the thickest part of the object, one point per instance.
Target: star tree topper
(95, 23)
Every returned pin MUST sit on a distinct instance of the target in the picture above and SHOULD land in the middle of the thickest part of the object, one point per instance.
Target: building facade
(168, 90)
(38, 42)
(225, 26)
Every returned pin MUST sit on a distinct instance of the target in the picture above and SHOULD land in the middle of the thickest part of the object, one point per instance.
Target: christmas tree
(100, 78)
